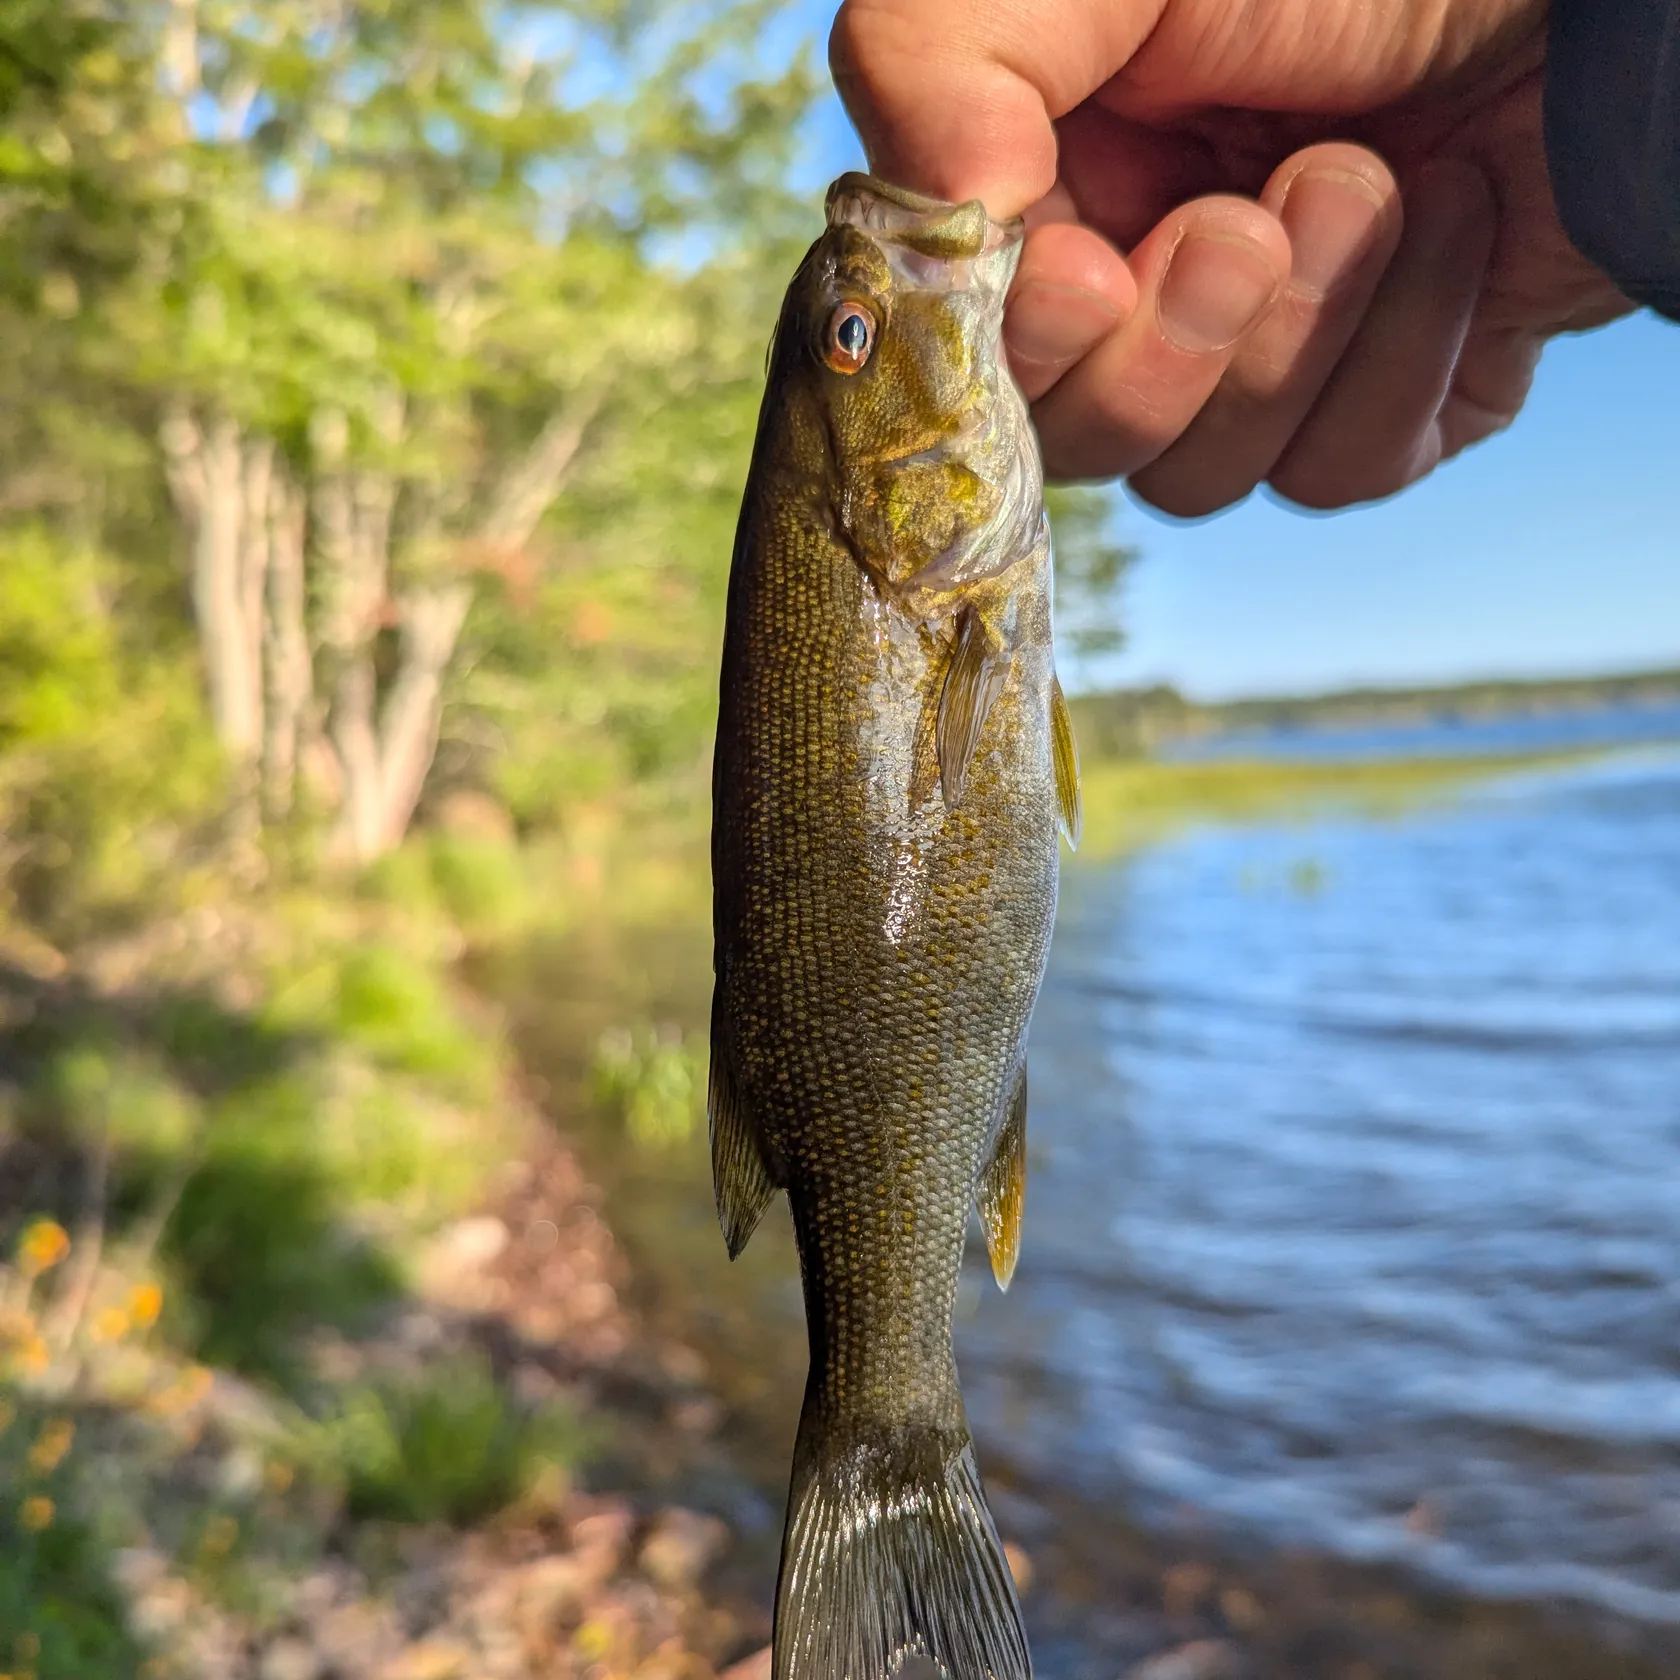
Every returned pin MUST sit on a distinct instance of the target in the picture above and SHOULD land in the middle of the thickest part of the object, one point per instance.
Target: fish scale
(893, 764)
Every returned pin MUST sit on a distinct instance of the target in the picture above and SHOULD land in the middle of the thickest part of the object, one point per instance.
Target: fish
(894, 762)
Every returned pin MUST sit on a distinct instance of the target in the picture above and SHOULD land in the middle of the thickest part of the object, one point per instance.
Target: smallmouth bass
(894, 760)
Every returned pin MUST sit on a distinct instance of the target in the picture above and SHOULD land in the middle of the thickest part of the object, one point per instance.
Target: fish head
(915, 430)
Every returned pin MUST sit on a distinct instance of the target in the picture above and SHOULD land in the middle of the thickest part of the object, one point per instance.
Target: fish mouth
(930, 243)
(932, 227)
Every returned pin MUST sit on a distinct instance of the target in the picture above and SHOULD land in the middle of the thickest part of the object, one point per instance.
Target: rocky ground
(608, 1577)
(570, 1580)
(594, 1582)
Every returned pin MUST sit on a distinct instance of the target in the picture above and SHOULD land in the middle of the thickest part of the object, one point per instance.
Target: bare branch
(236, 107)
(528, 490)
(408, 735)
(183, 461)
(180, 49)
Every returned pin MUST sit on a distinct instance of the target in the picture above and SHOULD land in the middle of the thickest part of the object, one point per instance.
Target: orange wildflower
(110, 1324)
(51, 1445)
(34, 1355)
(43, 1245)
(145, 1302)
(36, 1513)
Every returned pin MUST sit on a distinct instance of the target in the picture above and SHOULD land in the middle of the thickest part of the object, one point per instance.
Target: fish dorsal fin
(1003, 1186)
(1065, 757)
(972, 684)
(740, 1175)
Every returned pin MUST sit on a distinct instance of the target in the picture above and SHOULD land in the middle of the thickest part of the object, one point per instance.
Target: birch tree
(414, 281)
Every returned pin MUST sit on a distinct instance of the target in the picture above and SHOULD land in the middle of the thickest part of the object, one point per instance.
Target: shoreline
(1108, 1595)
(269, 1536)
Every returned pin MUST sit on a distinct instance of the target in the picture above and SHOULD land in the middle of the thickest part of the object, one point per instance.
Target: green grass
(1130, 803)
(448, 1445)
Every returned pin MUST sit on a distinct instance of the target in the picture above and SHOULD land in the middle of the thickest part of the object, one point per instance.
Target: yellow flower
(219, 1536)
(36, 1513)
(145, 1302)
(183, 1394)
(51, 1445)
(44, 1244)
(594, 1639)
(110, 1324)
(34, 1356)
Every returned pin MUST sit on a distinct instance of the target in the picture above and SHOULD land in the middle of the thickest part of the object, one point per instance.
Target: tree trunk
(213, 477)
(352, 529)
(290, 717)
(385, 751)
(408, 733)
(360, 834)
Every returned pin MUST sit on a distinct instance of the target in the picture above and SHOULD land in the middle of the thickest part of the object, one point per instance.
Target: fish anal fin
(1064, 755)
(740, 1175)
(1003, 1186)
(973, 682)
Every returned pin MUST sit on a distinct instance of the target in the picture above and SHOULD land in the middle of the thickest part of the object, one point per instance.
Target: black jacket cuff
(1613, 139)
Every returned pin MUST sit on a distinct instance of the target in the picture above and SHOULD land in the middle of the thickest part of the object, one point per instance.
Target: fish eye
(851, 336)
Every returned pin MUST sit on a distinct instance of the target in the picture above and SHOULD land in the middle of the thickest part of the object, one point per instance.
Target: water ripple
(1361, 1200)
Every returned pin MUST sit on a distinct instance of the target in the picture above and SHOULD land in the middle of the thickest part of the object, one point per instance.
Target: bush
(653, 1082)
(112, 793)
(60, 1618)
(449, 1445)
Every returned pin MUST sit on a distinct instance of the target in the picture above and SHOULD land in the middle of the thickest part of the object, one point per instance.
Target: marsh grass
(1130, 803)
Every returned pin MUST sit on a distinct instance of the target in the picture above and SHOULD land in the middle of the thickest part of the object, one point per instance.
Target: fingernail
(1332, 219)
(1050, 324)
(1213, 288)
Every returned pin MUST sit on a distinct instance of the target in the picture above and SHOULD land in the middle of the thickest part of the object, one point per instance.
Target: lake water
(1353, 1215)
(1354, 1208)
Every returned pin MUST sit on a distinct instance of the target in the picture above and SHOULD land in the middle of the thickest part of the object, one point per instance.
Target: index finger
(957, 97)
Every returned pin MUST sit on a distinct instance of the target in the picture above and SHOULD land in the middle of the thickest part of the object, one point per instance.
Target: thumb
(957, 97)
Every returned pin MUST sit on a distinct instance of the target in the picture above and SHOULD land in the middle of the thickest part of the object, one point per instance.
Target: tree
(1091, 567)
(412, 279)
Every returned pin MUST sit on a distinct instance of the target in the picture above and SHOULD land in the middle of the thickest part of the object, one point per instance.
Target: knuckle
(1187, 492)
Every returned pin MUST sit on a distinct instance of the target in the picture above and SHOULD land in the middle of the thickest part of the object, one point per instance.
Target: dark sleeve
(1613, 139)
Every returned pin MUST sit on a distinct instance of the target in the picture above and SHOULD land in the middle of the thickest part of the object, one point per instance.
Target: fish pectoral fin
(740, 1175)
(1003, 1186)
(1064, 754)
(972, 683)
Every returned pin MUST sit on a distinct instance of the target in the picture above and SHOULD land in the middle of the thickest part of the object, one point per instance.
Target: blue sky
(1555, 548)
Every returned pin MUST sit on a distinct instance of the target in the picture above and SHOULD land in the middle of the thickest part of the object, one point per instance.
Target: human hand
(1341, 256)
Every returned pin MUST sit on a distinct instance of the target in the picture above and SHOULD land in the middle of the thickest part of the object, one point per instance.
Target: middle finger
(1340, 206)
(1205, 275)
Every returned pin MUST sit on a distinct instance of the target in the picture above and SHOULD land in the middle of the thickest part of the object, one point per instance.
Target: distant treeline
(1127, 722)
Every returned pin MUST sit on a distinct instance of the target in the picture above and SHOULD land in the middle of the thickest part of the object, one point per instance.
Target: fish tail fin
(890, 1551)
